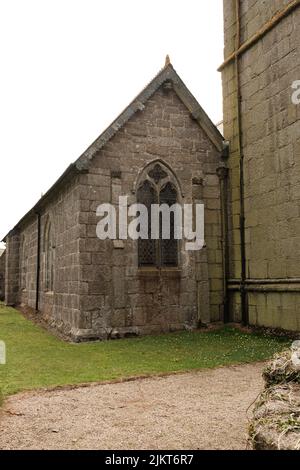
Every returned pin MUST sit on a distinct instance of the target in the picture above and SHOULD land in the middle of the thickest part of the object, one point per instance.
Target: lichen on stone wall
(276, 416)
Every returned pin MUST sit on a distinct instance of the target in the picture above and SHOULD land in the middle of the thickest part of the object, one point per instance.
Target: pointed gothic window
(156, 189)
(48, 256)
(147, 248)
(24, 261)
(168, 248)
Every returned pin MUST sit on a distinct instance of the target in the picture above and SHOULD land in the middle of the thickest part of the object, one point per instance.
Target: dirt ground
(198, 410)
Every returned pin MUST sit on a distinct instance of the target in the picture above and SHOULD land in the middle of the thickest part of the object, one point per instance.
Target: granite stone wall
(60, 305)
(270, 127)
(117, 297)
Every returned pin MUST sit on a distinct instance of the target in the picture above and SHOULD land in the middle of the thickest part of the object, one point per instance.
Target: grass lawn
(37, 359)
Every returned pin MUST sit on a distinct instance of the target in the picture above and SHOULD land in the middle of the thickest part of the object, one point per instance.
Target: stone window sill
(155, 273)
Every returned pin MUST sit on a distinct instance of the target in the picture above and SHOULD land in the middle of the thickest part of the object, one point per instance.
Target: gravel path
(198, 410)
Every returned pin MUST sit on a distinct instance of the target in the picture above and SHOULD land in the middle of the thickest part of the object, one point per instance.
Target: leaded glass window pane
(169, 248)
(147, 248)
(160, 253)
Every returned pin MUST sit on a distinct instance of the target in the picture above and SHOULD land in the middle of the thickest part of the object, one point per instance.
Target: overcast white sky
(68, 67)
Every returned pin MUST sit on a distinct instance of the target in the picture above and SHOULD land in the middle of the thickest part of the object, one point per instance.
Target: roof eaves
(35, 209)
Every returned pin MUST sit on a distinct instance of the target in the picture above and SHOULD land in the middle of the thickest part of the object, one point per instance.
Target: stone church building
(162, 148)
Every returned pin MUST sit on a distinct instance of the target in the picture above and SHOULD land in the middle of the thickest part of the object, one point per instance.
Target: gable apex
(169, 76)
